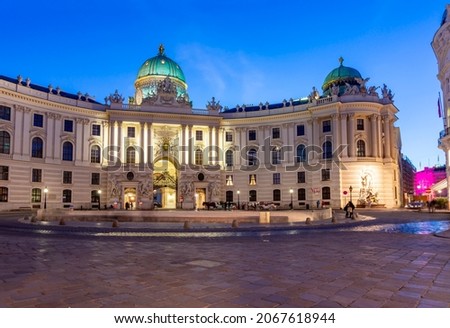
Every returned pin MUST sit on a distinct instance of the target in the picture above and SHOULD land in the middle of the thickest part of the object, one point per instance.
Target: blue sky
(241, 52)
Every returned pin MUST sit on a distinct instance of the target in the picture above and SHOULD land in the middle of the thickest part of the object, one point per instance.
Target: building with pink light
(426, 179)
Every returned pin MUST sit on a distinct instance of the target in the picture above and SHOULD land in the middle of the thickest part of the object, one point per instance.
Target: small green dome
(161, 65)
(340, 75)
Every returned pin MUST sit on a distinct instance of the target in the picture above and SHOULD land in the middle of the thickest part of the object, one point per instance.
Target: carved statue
(351, 89)
(115, 188)
(213, 105)
(145, 187)
(214, 189)
(373, 91)
(116, 98)
(362, 84)
(334, 90)
(314, 94)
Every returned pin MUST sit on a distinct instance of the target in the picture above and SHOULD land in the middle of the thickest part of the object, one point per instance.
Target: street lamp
(291, 191)
(350, 189)
(99, 195)
(45, 197)
(239, 205)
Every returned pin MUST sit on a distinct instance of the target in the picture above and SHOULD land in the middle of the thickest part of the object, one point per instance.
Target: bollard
(308, 220)
(115, 224)
(235, 224)
(333, 219)
(33, 219)
(62, 221)
(186, 226)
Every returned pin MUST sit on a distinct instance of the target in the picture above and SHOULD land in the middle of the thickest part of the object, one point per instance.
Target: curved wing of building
(61, 150)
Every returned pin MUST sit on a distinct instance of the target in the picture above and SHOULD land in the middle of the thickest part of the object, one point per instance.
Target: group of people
(349, 210)
(128, 205)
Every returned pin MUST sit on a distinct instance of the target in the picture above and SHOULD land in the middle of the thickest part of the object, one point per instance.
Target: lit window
(131, 155)
(35, 195)
(198, 157)
(229, 180)
(95, 154)
(252, 179)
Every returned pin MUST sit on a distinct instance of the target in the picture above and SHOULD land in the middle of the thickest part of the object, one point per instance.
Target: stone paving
(324, 268)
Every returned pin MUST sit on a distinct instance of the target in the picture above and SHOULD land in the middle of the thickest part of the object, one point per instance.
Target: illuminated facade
(59, 149)
(441, 47)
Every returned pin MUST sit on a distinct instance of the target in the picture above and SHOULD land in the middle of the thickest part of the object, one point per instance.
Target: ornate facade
(441, 47)
(63, 150)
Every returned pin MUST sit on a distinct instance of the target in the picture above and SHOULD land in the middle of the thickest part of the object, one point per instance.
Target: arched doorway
(165, 177)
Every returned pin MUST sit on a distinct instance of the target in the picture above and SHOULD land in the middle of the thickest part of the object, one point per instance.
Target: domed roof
(161, 65)
(340, 75)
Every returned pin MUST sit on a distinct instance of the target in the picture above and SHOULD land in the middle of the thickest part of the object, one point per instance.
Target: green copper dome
(161, 65)
(340, 75)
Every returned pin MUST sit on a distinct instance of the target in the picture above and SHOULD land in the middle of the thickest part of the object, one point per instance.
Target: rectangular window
(301, 194)
(229, 136)
(251, 135)
(95, 179)
(276, 178)
(276, 133)
(67, 196)
(4, 172)
(67, 177)
(301, 177)
(36, 175)
(68, 126)
(229, 180)
(276, 195)
(131, 132)
(326, 174)
(300, 130)
(38, 120)
(360, 124)
(5, 113)
(96, 129)
(35, 195)
(3, 194)
(199, 135)
(252, 179)
(326, 126)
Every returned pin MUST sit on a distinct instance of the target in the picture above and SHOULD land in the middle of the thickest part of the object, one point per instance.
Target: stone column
(387, 137)
(335, 131)
(374, 130)
(120, 143)
(18, 130)
(344, 141)
(150, 146)
(85, 141)
(182, 152)
(351, 136)
(78, 139)
(105, 142)
(26, 151)
(237, 157)
(56, 137)
(191, 158)
(316, 130)
(141, 143)
(209, 156)
(49, 144)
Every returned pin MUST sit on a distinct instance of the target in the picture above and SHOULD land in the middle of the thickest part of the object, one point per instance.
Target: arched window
(67, 196)
(252, 196)
(276, 195)
(5, 142)
(229, 196)
(301, 155)
(327, 150)
(301, 194)
(360, 148)
(131, 155)
(252, 157)
(95, 154)
(37, 148)
(326, 193)
(67, 154)
(198, 157)
(229, 158)
(36, 195)
(276, 156)
(3, 194)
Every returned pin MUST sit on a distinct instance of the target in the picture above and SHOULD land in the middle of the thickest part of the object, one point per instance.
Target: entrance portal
(129, 198)
(165, 184)
(200, 197)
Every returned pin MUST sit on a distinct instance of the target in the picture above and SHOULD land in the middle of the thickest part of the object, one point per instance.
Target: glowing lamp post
(291, 191)
(350, 189)
(239, 203)
(45, 197)
(99, 195)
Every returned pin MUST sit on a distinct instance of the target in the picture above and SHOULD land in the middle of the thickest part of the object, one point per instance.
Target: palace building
(64, 150)
(441, 47)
